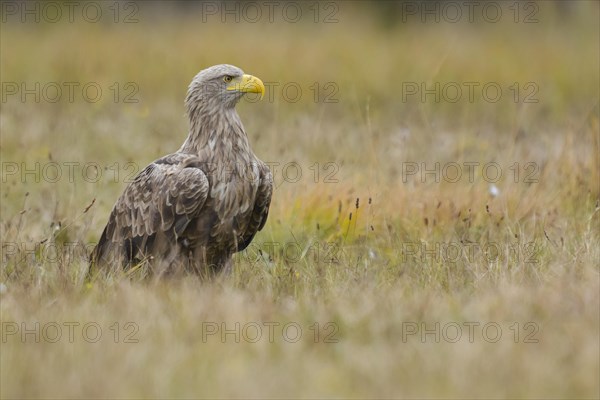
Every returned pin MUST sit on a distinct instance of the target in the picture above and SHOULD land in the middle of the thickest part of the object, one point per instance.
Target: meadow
(434, 230)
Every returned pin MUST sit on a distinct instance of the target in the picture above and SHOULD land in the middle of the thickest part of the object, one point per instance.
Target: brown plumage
(191, 210)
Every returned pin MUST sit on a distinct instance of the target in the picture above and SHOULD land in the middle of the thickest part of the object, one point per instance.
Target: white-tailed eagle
(193, 209)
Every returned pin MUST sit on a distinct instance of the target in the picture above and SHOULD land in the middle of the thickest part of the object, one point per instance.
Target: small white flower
(494, 191)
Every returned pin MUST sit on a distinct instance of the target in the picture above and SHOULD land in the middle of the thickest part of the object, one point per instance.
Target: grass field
(434, 231)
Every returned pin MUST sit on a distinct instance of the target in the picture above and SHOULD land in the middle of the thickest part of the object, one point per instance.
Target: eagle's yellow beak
(248, 84)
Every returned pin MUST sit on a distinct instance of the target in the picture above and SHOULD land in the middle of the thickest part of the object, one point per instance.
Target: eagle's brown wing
(261, 206)
(156, 207)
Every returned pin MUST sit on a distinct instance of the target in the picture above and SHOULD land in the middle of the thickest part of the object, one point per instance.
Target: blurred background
(355, 90)
(364, 85)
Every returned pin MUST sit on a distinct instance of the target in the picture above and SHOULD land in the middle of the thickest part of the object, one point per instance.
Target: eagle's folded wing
(261, 206)
(161, 200)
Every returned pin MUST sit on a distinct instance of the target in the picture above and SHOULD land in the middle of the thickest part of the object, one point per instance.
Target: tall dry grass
(357, 244)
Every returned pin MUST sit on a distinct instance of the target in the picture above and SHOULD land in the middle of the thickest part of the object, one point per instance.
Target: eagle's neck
(216, 132)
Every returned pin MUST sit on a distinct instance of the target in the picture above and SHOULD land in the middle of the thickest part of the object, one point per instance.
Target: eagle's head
(220, 87)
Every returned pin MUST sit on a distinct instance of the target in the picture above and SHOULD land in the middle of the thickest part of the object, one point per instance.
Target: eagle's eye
(227, 78)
